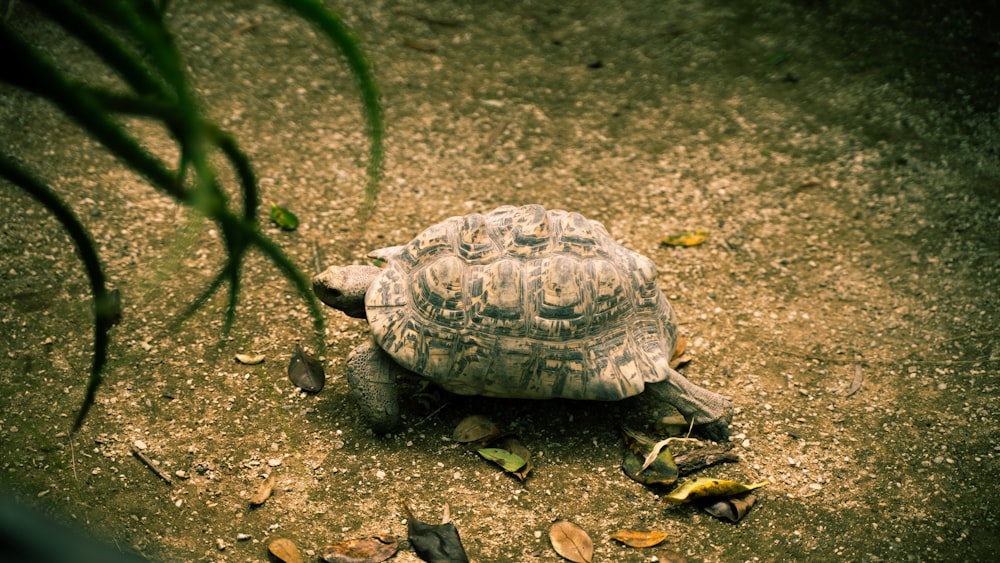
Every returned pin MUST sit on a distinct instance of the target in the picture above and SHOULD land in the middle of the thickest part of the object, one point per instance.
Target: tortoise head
(344, 287)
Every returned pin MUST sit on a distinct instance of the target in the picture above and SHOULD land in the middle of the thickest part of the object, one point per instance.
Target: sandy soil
(845, 161)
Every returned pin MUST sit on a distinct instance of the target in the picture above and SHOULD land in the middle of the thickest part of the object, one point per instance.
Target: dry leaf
(639, 448)
(680, 356)
(434, 542)
(285, 551)
(475, 428)
(686, 238)
(706, 487)
(571, 542)
(263, 491)
(366, 550)
(306, 372)
(732, 509)
(859, 379)
(635, 538)
(674, 425)
(424, 45)
(250, 359)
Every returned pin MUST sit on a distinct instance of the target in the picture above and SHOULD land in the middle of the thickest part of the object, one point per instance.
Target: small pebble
(274, 462)
(242, 537)
(139, 445)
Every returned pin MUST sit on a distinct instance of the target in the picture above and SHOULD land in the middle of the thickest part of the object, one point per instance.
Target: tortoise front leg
(371, 374)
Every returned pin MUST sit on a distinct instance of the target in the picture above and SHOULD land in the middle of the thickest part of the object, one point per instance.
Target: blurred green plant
(132, 38)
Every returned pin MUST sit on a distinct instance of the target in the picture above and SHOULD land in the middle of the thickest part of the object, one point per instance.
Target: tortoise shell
(523, 302)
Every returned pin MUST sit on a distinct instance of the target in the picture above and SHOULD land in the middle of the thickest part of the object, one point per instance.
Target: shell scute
(496, 298)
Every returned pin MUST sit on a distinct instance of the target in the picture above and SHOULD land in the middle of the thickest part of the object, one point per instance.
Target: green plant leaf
(510, 462)
(284, 218)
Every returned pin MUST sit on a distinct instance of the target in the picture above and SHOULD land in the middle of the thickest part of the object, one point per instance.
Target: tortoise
(519, 302)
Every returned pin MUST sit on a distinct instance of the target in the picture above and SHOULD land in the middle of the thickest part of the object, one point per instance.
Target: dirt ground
(845, 161)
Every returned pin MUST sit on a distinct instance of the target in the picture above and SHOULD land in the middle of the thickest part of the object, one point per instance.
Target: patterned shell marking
(524, 302)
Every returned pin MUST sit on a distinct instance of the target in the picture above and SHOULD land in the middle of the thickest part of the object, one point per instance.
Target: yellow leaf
(635, 538)
(686, 238)
(706, 487)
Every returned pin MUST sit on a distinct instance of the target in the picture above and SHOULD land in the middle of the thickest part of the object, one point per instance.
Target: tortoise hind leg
(371, 374)
(711, 412)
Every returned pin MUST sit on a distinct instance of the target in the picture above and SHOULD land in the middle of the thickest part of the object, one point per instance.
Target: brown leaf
(859, 379)
(366, 550)
(434, 542)
(635, 538)
(285, 551)
(680, 356)
(732, 509)
(424, 45)
(306, 372)
(263, 491)
(475, 428)
(571, 542)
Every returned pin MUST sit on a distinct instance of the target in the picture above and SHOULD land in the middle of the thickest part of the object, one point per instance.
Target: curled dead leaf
(732, 509)
(859, 379)
(674, 425)
(424, 45)
(571, 542)
(434, 542)
(646, 461)
(680, 356)
(306, 372)
(640, 539)
(263, 491)
(250, 359)
(284, 550)
(366, 550)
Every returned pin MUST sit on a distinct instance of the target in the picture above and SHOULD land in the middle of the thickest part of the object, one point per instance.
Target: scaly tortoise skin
(522, 303)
